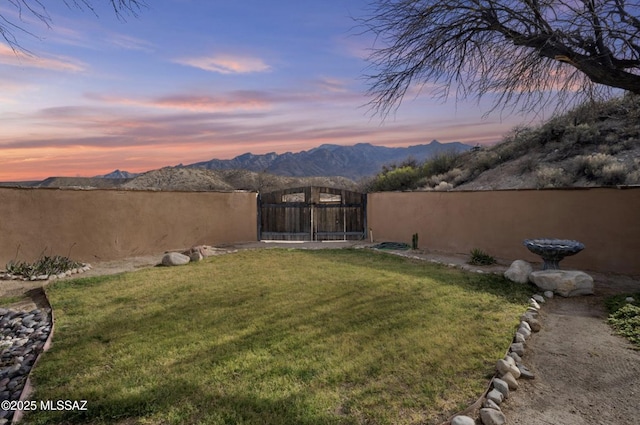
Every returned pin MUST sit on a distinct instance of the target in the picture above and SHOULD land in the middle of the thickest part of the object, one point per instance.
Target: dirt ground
(585, 375)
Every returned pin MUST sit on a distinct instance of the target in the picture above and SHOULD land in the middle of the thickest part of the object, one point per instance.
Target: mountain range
(353, 162)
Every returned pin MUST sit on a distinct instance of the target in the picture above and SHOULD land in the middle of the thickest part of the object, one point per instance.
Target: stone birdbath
(553, 251)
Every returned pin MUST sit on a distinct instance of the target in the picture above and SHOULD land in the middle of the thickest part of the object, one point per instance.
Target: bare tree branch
(26, 9)
(525, 52)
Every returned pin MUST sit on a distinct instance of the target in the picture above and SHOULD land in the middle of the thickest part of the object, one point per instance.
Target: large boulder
(566, 283)
(519, 271)
(175, 259)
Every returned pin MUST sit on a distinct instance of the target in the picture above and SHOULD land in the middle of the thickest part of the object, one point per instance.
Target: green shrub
(44, 266)
(402, 178)
(626, 322)
(481, 258)
(439, 164)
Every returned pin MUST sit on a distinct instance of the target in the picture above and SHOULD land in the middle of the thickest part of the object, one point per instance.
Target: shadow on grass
(495, 285)
(177, 403)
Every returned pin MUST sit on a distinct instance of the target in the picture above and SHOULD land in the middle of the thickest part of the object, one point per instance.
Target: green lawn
(277, 337)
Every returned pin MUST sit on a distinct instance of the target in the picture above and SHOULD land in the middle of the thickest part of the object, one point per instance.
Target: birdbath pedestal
(553, 251)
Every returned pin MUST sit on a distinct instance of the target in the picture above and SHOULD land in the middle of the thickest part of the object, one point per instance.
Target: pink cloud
(233, 101)
(19, 59)
(227, 64)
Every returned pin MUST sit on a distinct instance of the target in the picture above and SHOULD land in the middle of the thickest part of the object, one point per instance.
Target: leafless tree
(525, 52)
(29, 9)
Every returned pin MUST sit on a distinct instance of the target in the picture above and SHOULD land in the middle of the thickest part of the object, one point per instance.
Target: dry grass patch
(277, 336)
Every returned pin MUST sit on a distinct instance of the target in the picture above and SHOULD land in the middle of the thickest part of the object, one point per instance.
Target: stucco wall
(97, 225)
(606, 220)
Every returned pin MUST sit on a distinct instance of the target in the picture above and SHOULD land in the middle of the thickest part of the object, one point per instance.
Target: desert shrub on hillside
(410, 175)
(439, 164)
(613, 174)
(400, 178)
(548, 177)
(601, 168)
(454, 177)
(583, 134)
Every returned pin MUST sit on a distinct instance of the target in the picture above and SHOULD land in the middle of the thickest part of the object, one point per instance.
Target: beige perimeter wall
(98, 225)
(606, 220)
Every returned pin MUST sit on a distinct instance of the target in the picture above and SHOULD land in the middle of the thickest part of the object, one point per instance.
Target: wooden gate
(312, 214)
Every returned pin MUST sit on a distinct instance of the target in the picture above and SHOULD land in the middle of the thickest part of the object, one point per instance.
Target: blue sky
(188, 81)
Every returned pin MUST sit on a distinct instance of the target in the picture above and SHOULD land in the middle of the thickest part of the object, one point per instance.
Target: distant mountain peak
(117, 174)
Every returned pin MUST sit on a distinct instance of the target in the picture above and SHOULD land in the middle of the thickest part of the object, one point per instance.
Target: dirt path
(584, 373)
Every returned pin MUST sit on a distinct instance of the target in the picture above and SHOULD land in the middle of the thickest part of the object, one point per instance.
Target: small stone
(501, 386)
(630, 299)
(517, 348)
(539, 298)
(511, 381)
(548, 294)
(502, 366)
(462, 420)
(20, 342)
(526, 333)
(519, 338)
(535, 325)
(525, 325)
(533, 303)
(524, 372)
(61, 275)
(492, 417)
(510, 360)
(495, 396)
(196, 256)
(490, 404)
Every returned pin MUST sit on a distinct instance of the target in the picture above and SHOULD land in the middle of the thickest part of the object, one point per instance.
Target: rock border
(509, 370)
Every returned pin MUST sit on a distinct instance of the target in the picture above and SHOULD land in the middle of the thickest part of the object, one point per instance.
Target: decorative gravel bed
(24, 335)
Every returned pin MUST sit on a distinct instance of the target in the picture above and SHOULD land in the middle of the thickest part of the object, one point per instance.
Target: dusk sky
(191, 80)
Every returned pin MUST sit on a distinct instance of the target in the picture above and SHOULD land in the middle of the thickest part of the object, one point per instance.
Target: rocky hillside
(171, 178)
(596, 144)
(196, 179)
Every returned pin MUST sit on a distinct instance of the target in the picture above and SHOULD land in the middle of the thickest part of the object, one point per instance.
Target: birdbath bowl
(553, 251)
